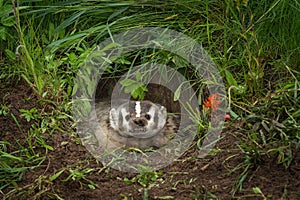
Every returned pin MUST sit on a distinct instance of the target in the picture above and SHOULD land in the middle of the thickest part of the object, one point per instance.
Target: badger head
(140, 119)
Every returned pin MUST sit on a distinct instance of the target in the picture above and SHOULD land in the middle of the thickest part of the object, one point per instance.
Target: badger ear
(163, 111)
(113, 118)
(162, 116)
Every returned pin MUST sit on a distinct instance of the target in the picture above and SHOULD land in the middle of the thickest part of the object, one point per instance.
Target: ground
(187, 178)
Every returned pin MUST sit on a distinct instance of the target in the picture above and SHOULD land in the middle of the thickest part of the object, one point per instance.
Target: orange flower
(227, 117)
(212, 102)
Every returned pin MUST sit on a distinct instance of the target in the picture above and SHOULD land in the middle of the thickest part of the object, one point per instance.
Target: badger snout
(140, 122)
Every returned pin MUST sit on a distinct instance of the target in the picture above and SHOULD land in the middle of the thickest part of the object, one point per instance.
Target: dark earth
(187, 178)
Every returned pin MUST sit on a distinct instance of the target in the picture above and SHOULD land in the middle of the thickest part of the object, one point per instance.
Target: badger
(134, 124)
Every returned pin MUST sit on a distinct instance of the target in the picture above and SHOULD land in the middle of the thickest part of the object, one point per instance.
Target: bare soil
(187, 178)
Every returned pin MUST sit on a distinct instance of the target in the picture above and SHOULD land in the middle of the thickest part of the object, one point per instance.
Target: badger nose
(139, 122)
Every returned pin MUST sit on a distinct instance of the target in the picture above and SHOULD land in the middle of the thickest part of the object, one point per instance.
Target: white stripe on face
(138, 109)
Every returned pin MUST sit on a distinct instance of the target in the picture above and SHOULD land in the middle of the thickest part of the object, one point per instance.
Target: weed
(147, 179)
(135, 87)
(29, 115)
(14, 164)
(80, 176)
(271, 130)
(4, 110)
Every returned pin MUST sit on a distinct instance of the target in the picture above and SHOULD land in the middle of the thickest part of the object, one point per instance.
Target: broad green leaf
(56, 175)
(135, 94)
(296, 114)
(91, 186)
(11, 55)
(48, 147)
(138, 76)
(129, 181)
(177, 93)
(75, 88)
(127, 82)
(9, 156)
(132, 87)
(256, 190)
(229, 78)
(109, 46)
(8, 21)
(72, 56)
(2, 33)
(5, 11)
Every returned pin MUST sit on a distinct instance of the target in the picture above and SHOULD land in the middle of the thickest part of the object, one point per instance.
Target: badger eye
(127, 117)
(147, 116)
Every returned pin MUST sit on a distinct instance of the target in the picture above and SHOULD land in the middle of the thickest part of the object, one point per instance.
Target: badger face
(140, 119)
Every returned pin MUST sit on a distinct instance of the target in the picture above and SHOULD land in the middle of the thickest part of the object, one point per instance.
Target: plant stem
(22, 44)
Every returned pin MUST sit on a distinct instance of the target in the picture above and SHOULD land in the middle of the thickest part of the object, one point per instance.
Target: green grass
(255, 45)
